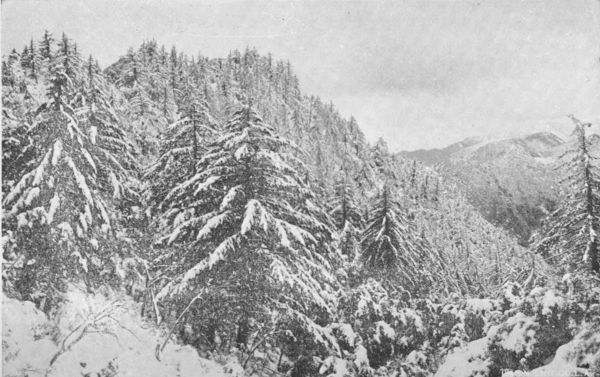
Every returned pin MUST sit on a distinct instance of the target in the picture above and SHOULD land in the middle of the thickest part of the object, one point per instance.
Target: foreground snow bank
(94, 335)
(26, 343)
(467, 361)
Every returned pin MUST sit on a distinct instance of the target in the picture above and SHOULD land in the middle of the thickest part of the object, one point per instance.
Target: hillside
(512, 182)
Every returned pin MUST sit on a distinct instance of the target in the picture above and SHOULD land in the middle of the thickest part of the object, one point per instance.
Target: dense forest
(252, 222)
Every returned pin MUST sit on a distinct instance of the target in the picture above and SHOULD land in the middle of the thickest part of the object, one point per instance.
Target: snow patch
(382, 328)
(242, 152)
(93, 134)
(467, 361)
(80, 179)
(550, 301)
(518, 334)
(40, 170)
(347, 333)
(361, 357)
(337, 366)
(255, 215)
(58, 147)
(54, 204)
(480, 305)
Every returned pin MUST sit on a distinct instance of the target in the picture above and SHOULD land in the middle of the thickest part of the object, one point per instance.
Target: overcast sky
(419, 73)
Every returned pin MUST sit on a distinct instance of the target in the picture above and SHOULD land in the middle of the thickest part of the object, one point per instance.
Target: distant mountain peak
(538, 144)
(548, 137)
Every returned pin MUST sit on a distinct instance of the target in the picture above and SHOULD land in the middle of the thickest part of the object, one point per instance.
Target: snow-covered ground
(468, 361)
(93, 335)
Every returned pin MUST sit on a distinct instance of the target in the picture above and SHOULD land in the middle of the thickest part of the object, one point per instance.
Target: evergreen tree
(32, 62)
(8, 74)
(347, 216)
(148, 117)
(181, 146)
(56, 211)
(391, 245)
(569, 237)
(46, 45)
(118, 156)
(251, 237)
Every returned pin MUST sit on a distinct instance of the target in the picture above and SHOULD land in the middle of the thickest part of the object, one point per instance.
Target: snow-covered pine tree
(347, 216)
(12, 72)
(181, 145)
(254, 256)
(56, 210)
(46, 45)
(117, 156)
(30, 60)
(379, 156)
(392, 246)
(137, 83)
(569, 236)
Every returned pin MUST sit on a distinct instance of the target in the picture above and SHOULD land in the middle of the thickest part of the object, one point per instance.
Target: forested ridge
(248, 219)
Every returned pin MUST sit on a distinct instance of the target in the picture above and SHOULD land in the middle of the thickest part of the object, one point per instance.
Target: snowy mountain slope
(512, 182)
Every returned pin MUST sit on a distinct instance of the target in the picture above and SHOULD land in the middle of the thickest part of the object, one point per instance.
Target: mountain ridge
(512, 182)
(437, 155)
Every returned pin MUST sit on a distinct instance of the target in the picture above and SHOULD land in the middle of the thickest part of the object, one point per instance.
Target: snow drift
(99, 334)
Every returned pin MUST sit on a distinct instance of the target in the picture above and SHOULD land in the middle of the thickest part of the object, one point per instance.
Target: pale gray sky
(419, 73)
